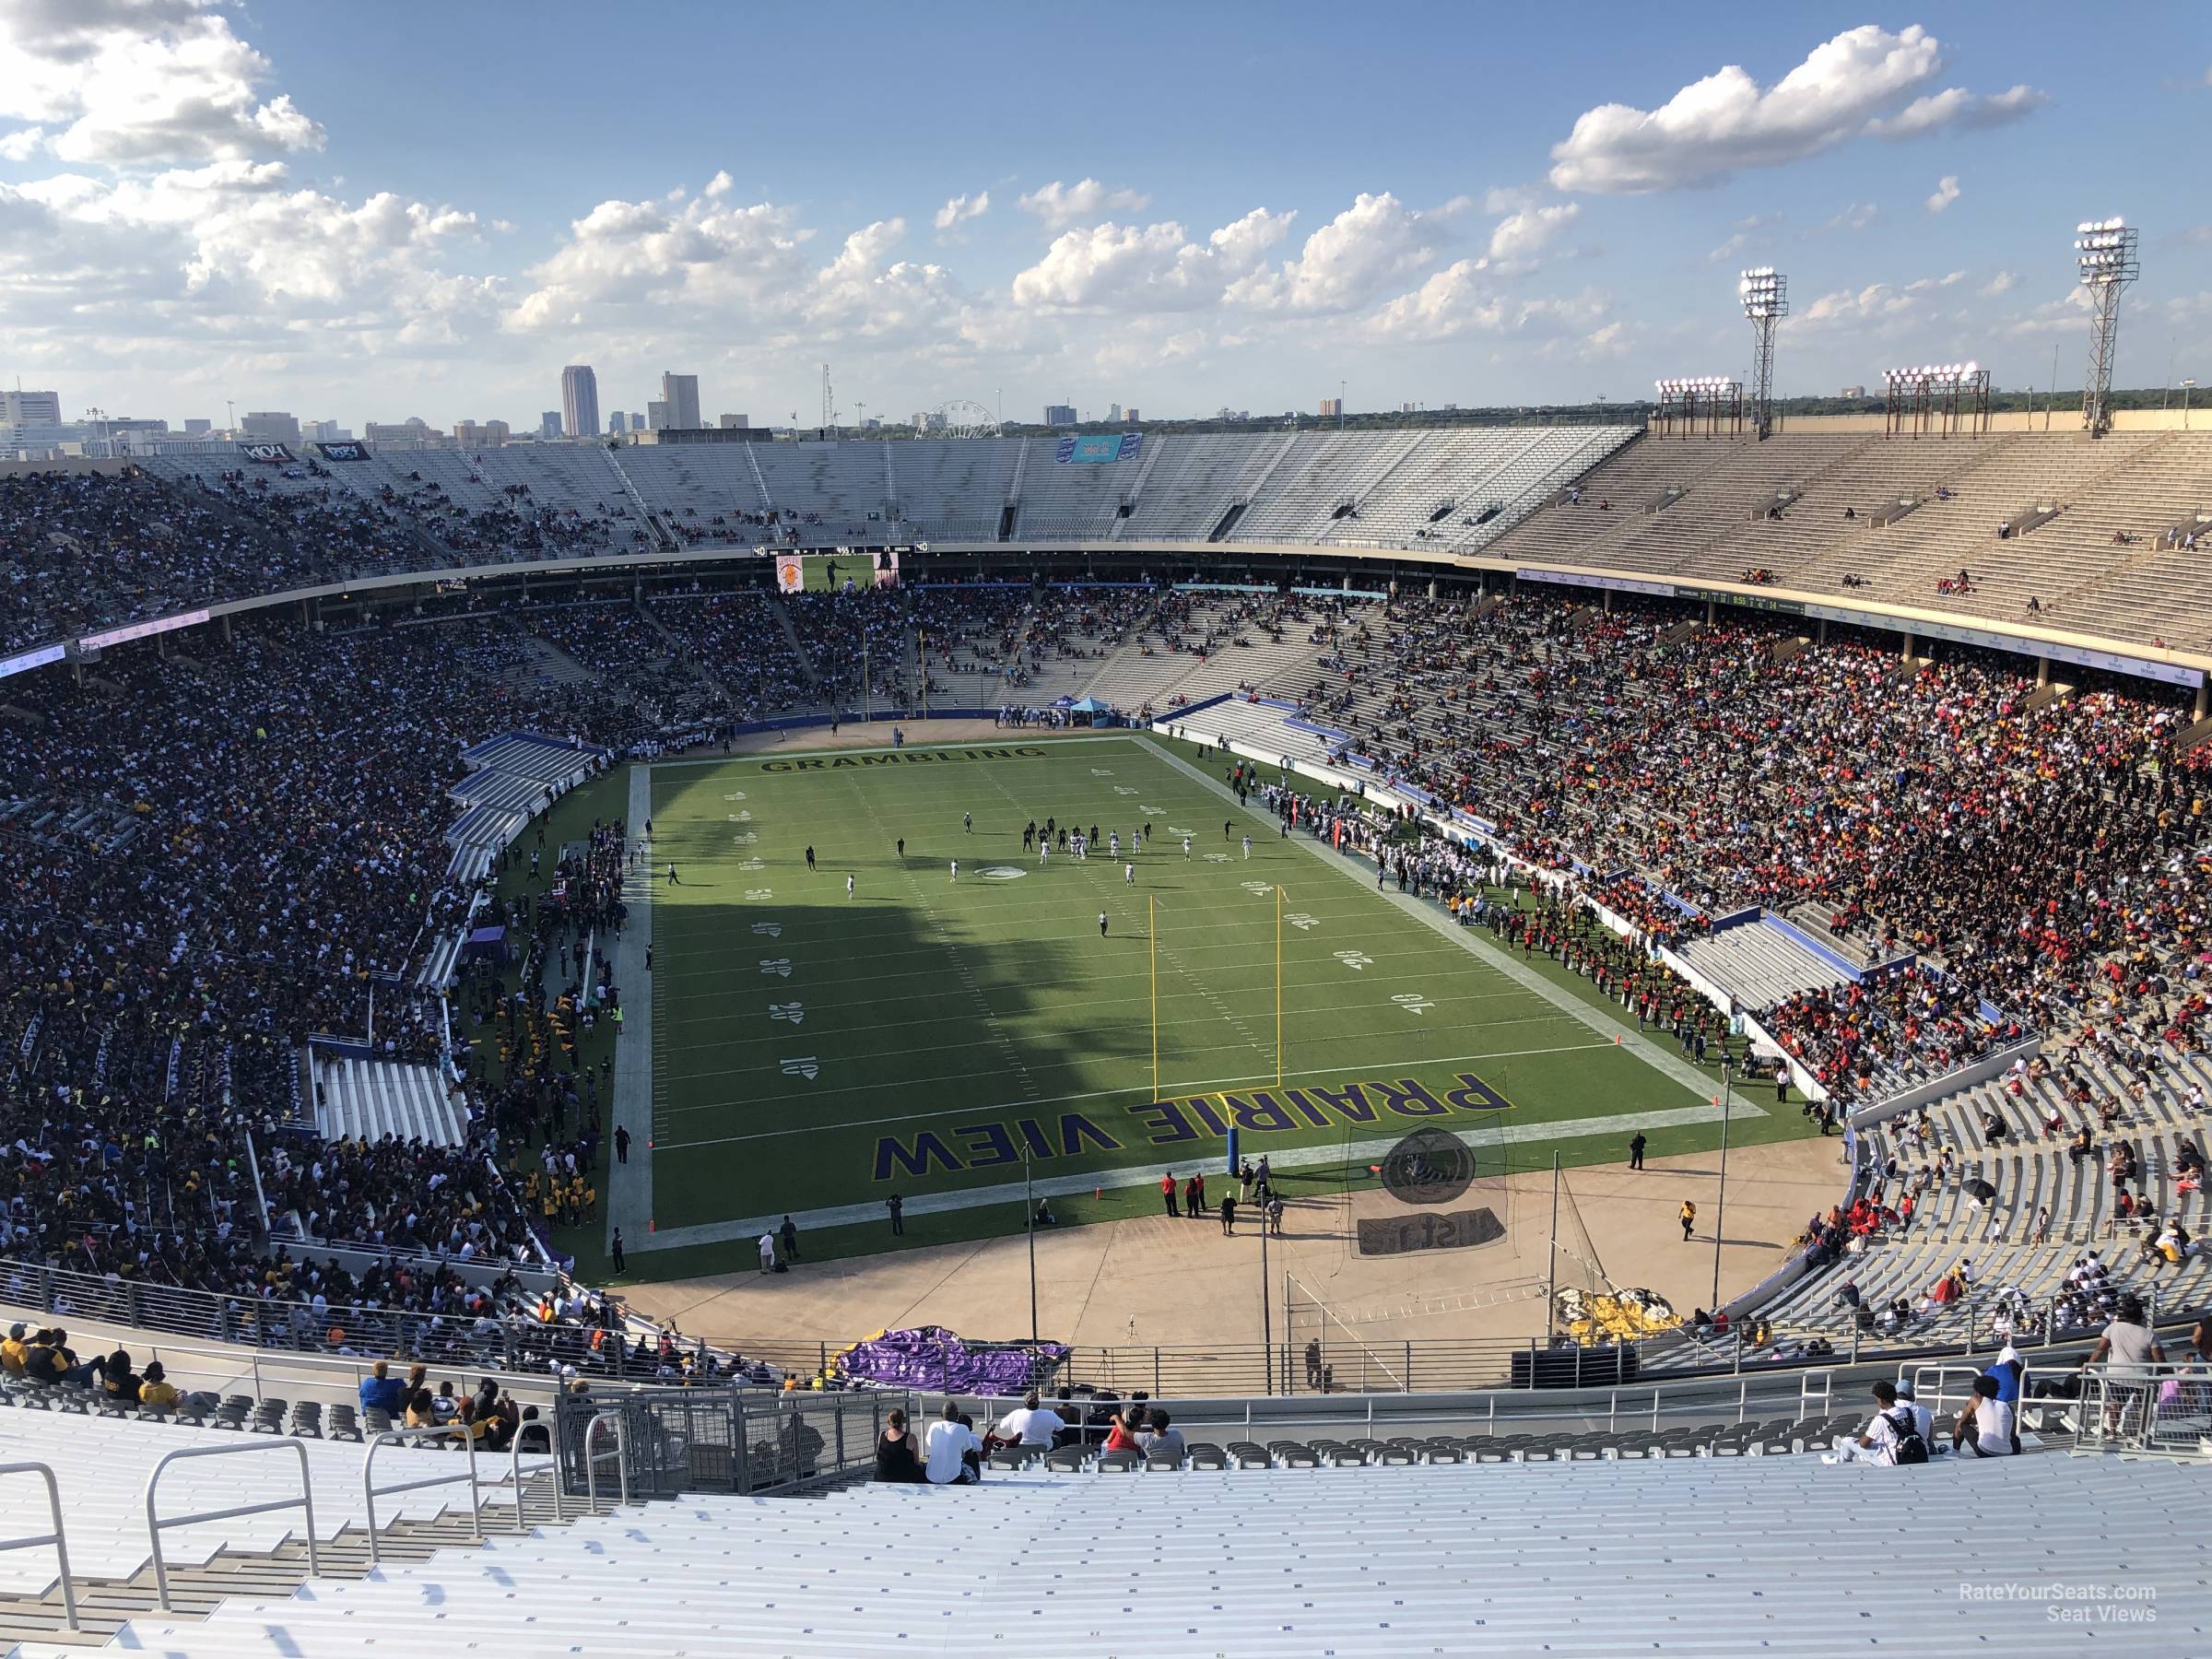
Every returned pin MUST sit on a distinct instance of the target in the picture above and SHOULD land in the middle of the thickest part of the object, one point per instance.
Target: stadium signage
(25, 660)
(1619, 585)
(901, 758)
(1795, 607)
(270, 453)
(141, 631)
(342, 451)
(1191, 1119)
(1383, 1235)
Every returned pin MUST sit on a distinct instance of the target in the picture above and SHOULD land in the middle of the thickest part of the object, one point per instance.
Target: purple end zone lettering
(1040, 1144)
(986, 1144)
(1207, 1115)
(807, 765)
(1350, 1101)
(1474, 1095)
(1028, 748)
(1259, 1114)
(775, 766)
(1166, 1117)
(843, 760)
(1074, 1129)
(927, 1151)
(1408, 1098)
(1305, 1108)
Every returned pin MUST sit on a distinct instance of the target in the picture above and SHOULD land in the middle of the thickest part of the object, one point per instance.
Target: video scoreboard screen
(837, 571)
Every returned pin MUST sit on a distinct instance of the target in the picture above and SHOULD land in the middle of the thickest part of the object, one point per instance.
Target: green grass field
(813, 1051)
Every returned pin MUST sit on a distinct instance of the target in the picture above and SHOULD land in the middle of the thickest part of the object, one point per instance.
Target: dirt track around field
(1153, 1281)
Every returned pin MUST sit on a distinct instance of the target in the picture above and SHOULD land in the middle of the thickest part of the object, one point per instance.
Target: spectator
(1030, 1424)
(155, 1391)
(1986, 1426)
(1890, 1437)
(950, 1447)
(895, 1459)
(381, 1391)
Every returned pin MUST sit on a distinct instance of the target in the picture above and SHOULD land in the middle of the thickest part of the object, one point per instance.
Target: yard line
(1168, 1091)
(872, 1056)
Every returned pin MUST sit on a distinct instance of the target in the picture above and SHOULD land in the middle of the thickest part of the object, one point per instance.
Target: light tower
(1766, 296)
(2105, 250)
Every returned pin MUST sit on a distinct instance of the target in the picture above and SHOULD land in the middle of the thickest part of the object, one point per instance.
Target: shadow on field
(832, 1051)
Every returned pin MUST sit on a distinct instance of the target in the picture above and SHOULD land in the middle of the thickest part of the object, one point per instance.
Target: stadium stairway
(1710, 1556)
(102, 1464)
(367, 1100)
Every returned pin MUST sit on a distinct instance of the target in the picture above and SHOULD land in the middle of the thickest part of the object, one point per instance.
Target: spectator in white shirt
(1030, 1424)
(1922, 1419)
(1986, 1430)
(1878, 1443)
(944, 1450)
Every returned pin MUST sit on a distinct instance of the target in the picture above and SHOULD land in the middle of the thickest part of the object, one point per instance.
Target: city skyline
(272, 224)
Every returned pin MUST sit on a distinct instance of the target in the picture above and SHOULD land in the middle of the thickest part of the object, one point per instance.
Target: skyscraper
(656, 415)
(680, 393)
(578, 400)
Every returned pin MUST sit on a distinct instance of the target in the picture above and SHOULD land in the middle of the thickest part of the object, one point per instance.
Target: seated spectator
(155, 1392)
(1159, 1437)
(948, 1448)
(118, 1380)
(1030, 1424)
(1890, 1437)
(422, 1412)
(12, 1351)
(895, 1459)
(1985, 1427)
(380, 1391)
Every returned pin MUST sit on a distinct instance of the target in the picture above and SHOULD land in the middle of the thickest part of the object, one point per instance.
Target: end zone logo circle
(1001, 873)
(1427, 1167)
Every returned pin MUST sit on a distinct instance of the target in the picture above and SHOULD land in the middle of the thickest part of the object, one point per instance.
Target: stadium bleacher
(1589, 1544)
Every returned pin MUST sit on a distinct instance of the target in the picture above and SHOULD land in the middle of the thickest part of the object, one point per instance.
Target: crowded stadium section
(445, 895)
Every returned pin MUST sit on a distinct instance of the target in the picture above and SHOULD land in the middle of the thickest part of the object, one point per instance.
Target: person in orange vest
(1167, 1192)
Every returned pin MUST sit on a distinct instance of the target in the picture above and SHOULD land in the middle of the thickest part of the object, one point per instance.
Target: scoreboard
(840, 571)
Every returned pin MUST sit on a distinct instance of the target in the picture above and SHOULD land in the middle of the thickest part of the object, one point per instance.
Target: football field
(815, 1050)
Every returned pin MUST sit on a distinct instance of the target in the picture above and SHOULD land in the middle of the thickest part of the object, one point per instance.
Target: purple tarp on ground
(931, 1356)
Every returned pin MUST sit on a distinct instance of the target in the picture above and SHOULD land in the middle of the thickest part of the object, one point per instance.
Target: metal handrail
(306, 1500)
(591, 1467)
(371, 1491)
(60, 1545)
(515, 1455)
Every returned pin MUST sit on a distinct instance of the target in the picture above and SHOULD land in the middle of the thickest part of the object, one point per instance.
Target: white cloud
(1947, 192)
(721, 184)
(1147, 267)
(1520, 236)
(21, 145)
(1741, 238)
(1956, 107)
(1376, 239)
(1059, 204)
(129, 83)
(1999, 284)
(961, 208)
(1466, 299)
(1854, 215)
(1725, 122)
(624, 256)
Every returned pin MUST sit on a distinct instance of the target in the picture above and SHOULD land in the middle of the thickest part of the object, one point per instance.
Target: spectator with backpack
(1892, 1436)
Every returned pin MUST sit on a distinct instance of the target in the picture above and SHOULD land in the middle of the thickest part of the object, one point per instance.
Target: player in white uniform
(1186, 846)
(956, 869)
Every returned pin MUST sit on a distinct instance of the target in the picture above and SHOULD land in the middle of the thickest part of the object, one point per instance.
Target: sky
(373, 213)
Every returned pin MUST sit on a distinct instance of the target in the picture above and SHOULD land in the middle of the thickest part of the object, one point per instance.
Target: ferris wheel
(964, 417)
